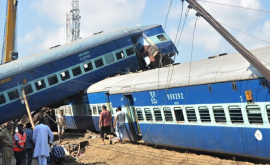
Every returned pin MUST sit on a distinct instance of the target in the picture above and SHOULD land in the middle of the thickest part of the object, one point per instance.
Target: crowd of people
(27, 143)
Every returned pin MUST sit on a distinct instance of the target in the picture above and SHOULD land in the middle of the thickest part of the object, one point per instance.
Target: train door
(131, 116)
(69, 117)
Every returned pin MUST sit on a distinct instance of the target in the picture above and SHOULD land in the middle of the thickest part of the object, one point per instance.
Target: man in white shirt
(61, 125)
(40, 138)
(119, 124)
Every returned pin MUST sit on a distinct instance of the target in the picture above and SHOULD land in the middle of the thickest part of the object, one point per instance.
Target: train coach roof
(38, 59)
(231, 67)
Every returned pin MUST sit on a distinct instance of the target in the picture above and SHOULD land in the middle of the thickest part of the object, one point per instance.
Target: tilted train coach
(55, 75)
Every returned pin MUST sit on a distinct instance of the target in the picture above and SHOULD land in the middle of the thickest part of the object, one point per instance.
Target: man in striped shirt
(30, 145)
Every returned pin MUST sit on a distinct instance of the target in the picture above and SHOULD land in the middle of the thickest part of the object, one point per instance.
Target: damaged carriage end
(155, 48)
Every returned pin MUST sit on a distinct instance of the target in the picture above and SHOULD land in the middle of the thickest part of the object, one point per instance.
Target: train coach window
(76, 71)
(139, 113)
(161, 37)
(99, 109)
(235, 114)
(99, 63)
(148, 114)
(158, 115)
(69, 110)
(89, 110)
(28, 89)
(204, 114)
(191, 114)
(94, 109)
(88, 66)
(168, 114)
(120, 55)
(178, 112)
(109, 58)
(219, 114)
(130, 51)
(65, 75)
(268, 112)
(254, 114)
(2, 99)
(40, 84)
(53, 80)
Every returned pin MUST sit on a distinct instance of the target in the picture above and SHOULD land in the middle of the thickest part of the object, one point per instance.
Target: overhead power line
(245, 33)
(266, 11)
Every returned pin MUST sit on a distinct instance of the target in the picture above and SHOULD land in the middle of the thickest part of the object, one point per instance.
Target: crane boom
(233, 41)
(8, 53)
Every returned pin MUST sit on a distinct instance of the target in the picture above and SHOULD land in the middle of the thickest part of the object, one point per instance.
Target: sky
(42, 23)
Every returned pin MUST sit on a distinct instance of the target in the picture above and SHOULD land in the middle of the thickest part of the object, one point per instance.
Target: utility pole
(75, 17)
(233, 41)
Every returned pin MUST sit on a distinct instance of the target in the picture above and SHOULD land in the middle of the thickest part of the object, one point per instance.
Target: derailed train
(57, 74)
(221, 105)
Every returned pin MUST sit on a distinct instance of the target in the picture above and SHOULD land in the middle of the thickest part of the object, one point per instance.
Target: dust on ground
(129, 153)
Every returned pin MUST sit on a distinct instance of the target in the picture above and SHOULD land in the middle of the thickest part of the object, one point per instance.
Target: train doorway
(131, 115)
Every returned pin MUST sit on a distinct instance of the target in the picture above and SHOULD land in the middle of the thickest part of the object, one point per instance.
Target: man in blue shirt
(29, 144)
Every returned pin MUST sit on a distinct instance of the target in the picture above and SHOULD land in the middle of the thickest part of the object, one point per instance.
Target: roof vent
(54, 46)
(216, 56)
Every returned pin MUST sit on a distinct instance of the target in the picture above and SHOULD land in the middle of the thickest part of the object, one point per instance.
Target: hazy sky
(42, 23)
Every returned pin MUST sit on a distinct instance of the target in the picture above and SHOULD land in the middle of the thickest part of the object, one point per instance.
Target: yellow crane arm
(10, 30)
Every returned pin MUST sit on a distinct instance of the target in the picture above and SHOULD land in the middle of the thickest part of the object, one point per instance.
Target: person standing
(18, 146)
(61, 125)
(40, 138)
(30, 145)
(119, 124)
(7, 144)
(105, 120)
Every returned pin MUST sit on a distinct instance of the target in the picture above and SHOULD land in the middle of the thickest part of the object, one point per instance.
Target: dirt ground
(128, 153)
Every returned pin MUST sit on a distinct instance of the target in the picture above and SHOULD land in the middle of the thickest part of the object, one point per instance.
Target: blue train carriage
(57, 74)
(222, 105)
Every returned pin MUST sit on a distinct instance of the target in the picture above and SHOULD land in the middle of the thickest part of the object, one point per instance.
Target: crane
(9, 52)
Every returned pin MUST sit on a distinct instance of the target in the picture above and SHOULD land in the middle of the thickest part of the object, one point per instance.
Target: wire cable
(260, 10)
(245, 33)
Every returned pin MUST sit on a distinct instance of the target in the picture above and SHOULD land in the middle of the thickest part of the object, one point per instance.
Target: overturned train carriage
(222, 106)
(57, 74)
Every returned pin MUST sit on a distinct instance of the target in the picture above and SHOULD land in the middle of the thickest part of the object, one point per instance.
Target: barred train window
(94, 109)
(89, 110)
(235, 114)
(204, 114)
(191, 114)
(14, 94)
(99, 109)
(64, 75)
(268, 112)
(219, 114)
(161, 37)
(120, 55)
(158, 115)
(40, 84)
(178, 112)
(148, 114)
(28, 89)
(2, 99)
(88, 66)
(53, 80)
(130, 51)
(139, 113)
(168, 114)
(254, 114)
(99, 63)
(76, 71)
